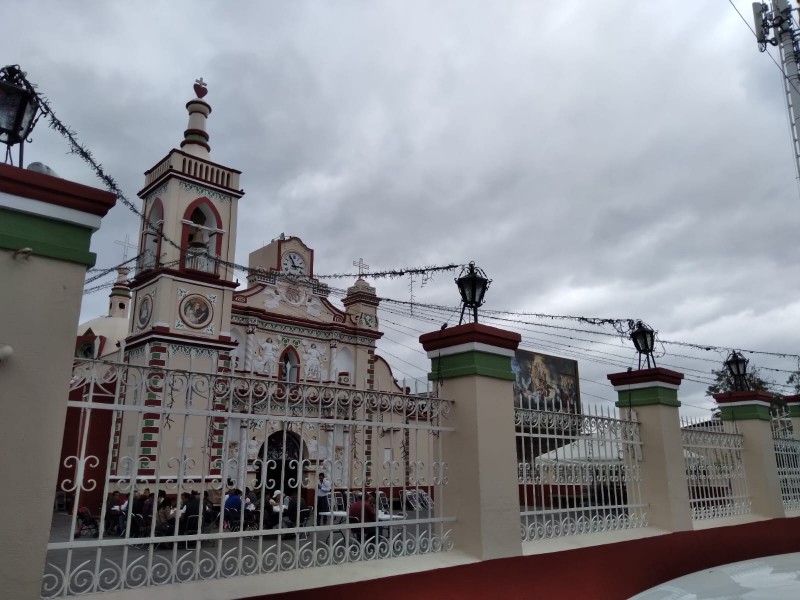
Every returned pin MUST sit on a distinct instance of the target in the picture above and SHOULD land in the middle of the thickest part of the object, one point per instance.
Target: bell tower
(184, 280)
(182, 289)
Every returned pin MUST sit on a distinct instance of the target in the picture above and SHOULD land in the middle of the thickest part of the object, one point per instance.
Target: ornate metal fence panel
(176, 445)
(781, 422)
(577, 473)
(787, 457)
(712, 454)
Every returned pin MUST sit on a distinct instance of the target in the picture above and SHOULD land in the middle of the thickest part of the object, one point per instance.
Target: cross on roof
(126, 245)
(362, 266)
(200, 82)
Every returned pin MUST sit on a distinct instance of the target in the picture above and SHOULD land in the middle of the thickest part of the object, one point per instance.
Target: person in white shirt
(323, 492)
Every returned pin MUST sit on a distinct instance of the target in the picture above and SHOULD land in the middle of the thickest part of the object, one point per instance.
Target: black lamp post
(472, 284)
(644, 338)
(19, 108)
(737, 367)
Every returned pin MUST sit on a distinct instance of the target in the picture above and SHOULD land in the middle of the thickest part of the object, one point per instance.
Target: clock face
(293, 264)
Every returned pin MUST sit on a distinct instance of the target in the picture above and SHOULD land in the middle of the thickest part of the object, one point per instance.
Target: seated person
(209, 514)
(272, 516)
(165, 523)
(234, 501)
(233, 507)
(147, 507)
(112, 512)
(364, 511)
(292, 512)
(190, 519)
(138, 502)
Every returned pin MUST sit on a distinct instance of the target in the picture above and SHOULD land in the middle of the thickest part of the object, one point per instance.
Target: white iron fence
(781, 422)
(712, 453)
(787, 457)
(577, 473)
(176, 445)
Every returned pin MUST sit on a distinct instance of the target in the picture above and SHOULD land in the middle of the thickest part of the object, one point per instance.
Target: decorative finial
(195, 138)
(200, 88)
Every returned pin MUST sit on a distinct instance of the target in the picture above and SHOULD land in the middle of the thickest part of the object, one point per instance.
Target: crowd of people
(131, 514)
(188, 514)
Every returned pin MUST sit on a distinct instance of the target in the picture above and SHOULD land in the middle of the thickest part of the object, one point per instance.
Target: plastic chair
(233, 519)
(138, 529)
(425, 499)
(305, 515)
(383, 503)
(412, 500)
(338, 498)
(87, 524)
(356, 533)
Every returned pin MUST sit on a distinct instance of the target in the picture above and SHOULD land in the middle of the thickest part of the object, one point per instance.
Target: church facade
(262, 384)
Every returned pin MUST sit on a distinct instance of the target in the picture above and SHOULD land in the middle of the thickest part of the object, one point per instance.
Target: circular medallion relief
(145, 311)
(196, 311)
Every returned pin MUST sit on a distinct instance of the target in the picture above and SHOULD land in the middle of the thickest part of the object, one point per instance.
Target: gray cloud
(622, 159)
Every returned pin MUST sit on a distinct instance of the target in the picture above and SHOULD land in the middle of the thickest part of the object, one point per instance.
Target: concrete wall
(45, 231)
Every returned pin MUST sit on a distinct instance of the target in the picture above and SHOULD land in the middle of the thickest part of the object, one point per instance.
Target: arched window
(202, 239)
(289, 366)
(151, 238)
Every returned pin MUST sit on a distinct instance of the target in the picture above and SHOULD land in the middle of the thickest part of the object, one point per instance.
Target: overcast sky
(613, 159)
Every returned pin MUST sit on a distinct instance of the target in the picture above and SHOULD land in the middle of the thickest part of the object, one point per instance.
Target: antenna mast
(786, 36)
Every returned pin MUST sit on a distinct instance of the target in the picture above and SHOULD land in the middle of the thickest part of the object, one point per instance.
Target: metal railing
(577, 473)
(196, 438)
(147, 261)
(712, 454)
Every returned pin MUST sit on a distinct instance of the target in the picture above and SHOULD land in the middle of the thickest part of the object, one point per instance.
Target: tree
(794, 379)
(723, 382)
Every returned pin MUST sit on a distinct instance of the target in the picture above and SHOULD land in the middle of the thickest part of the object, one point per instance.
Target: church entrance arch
(280, 465)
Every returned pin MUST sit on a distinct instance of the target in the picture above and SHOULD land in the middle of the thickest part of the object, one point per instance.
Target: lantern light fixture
(472, 285)
(644, 339)
(737, 367)
(19, 109)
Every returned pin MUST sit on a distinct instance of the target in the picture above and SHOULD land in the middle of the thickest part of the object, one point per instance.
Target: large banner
(545, 382)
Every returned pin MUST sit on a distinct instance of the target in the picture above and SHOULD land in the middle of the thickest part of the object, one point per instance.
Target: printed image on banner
(545, 382)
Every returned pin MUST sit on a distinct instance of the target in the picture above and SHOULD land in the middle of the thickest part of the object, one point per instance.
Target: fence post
(750, 411)
(472, 365)
(46, 226)
(653, 395)
(793, 403)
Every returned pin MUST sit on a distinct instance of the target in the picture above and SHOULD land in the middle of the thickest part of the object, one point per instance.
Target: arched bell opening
(202, 237)
(151, 238)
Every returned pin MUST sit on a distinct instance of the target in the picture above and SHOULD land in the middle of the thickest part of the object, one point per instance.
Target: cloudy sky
(610, 159)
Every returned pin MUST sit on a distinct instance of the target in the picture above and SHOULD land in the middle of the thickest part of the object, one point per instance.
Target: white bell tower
(184, 281)
(182, 289)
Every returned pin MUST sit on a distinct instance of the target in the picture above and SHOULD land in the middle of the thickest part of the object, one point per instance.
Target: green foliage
(794, 379)
(723, 382)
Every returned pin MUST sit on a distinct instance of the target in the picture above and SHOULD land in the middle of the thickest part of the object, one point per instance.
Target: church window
(289, 366)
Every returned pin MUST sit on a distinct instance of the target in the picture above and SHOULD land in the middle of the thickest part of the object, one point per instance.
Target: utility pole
(779, 21)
